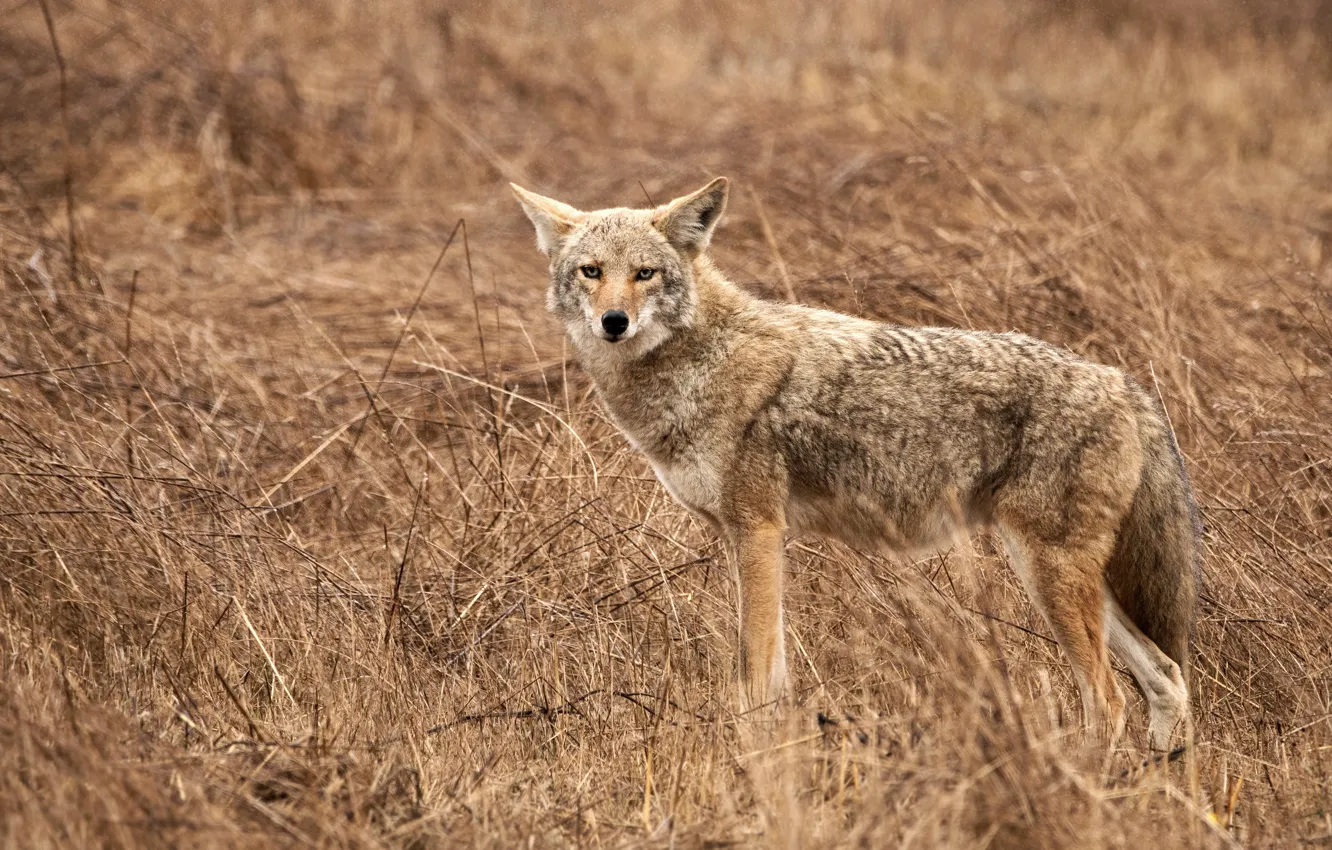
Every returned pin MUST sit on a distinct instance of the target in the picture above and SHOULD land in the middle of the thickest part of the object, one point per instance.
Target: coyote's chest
(694, 485)
(683, 463)
(691, 477)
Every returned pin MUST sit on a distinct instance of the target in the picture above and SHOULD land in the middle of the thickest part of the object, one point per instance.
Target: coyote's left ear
(553, 220)
(688, 222)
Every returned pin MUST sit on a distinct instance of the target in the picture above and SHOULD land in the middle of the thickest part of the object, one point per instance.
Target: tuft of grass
(311, 533)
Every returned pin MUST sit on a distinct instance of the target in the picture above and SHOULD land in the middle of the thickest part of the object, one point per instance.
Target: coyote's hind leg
(1158, 677)
(1065, 582)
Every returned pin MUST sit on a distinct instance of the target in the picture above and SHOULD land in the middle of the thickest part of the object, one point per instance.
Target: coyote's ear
(553, 220)
(687, 222)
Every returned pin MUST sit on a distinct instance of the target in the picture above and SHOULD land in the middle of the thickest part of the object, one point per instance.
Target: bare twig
(771, 239)
(494, 625)
(402, 332)
(542, 711)
(58, 369)
(485, 364)
(129, 389)
(240, 706)
(73, 246)
(402, 562)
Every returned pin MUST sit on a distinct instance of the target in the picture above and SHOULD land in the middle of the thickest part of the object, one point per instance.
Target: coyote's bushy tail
(1156, 565)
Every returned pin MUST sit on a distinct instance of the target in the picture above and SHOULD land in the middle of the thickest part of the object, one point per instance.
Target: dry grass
(300, 544)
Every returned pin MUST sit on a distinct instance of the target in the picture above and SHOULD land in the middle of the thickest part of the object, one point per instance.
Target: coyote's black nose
(615, 322)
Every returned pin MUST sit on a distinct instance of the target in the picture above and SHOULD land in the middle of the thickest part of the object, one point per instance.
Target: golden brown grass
(302, 544)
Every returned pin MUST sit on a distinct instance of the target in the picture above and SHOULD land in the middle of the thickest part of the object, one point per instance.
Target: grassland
(311, 533)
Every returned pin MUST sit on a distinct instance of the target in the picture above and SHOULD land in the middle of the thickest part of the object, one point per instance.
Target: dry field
(307, 541)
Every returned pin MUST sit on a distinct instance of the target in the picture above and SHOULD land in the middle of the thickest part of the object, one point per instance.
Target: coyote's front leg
(757, 550)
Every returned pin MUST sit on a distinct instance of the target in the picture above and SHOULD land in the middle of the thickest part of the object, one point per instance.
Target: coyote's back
(769, 419)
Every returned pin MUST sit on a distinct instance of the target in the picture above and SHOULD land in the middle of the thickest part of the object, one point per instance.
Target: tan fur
(772, 419)
(620, 294)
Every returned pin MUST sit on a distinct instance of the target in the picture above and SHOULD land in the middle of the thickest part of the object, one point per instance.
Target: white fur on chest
(691, 477)
(693, 484)
(691, 480)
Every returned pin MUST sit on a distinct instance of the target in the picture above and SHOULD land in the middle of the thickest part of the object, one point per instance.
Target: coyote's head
(624, 277)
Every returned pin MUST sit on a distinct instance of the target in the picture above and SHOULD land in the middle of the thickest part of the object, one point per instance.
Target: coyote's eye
(645, 274)
(591, 272)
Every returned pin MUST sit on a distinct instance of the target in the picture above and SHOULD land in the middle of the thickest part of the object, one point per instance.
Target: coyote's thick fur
(771, 419)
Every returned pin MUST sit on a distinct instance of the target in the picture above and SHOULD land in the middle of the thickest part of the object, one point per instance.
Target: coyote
(769, 419)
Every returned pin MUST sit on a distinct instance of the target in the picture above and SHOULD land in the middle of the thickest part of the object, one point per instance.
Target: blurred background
(311, 532)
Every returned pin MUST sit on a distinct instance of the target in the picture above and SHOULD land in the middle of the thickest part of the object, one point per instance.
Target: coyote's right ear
(687, 222)
(553, 220)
